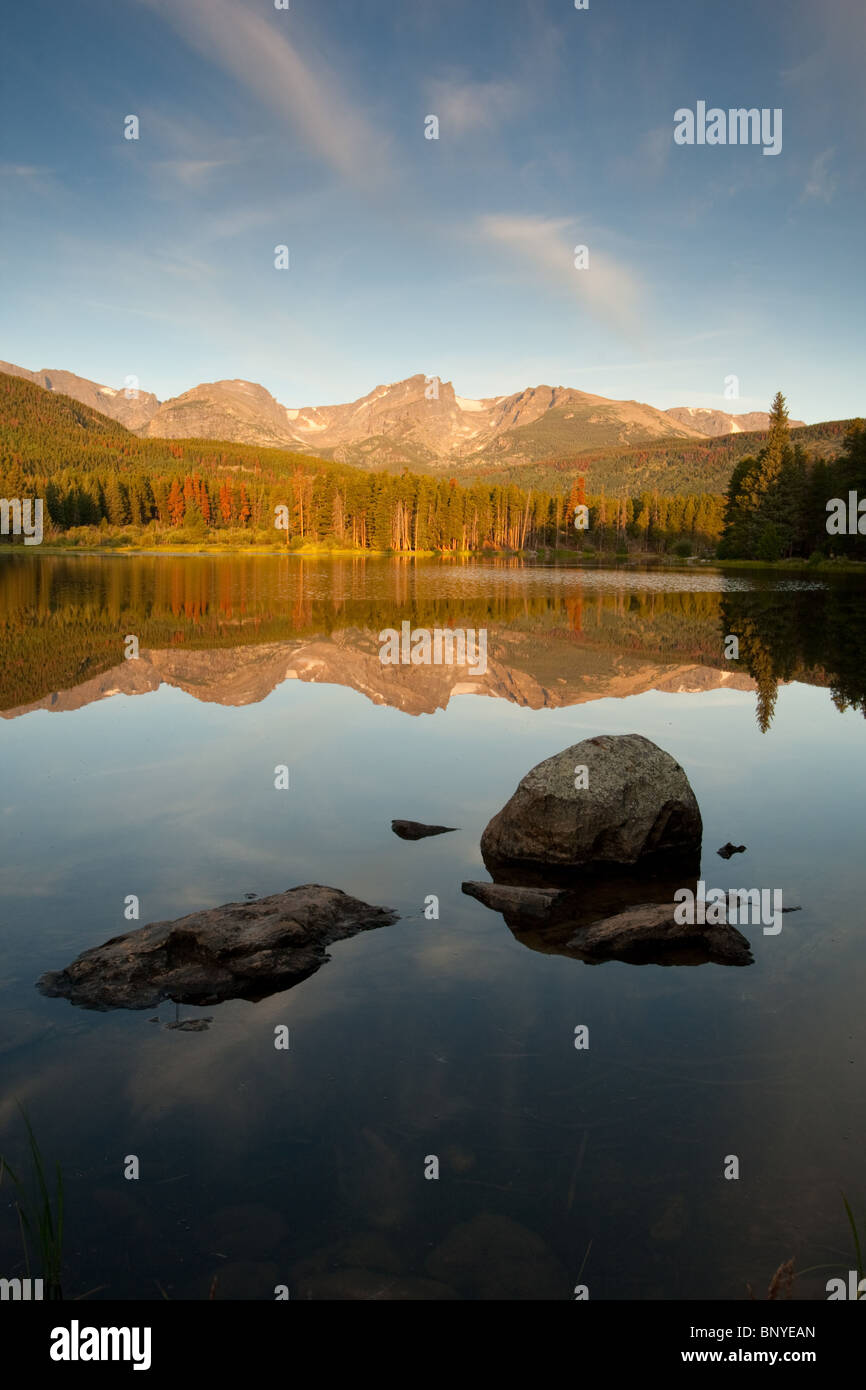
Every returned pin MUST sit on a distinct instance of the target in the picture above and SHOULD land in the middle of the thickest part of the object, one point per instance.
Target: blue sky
(454, 257)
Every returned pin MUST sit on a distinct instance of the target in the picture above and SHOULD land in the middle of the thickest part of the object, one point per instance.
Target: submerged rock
(370, 1285)
(360, 1250)
(250, 1231)
(238, 951)
(372, 1180)
(240, 1281)
(493, 1257)
(416, 830)
(635, 808)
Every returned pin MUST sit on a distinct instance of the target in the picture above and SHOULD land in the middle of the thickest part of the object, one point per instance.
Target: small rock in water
(415, 830)
(190, 1025)
(727, 850)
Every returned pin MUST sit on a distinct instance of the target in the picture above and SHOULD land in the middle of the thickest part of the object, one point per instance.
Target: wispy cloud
(832, 41)
(651, 365)
(107, 261)
(294, 208)
(22, 171)
(37, 177)
(238, 220)
(464, 107)
(193, 174)
(607, 288)
(842, 41)
(821, 181)
(251, 46)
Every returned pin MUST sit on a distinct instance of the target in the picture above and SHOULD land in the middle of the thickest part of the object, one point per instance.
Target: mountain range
(419, 422)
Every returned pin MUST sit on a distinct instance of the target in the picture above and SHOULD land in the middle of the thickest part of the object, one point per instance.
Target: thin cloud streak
(821, 182)
(252, 49)
(649, 366)
(609, 290)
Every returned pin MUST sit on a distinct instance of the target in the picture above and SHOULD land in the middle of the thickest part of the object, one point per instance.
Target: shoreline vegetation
(589, 559)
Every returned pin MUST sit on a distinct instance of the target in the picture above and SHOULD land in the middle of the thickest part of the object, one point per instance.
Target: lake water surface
(448, 1037)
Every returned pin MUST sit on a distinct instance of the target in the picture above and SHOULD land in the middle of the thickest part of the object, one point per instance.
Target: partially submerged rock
(525, 903)
(728, 850)
(416, 830)
(238, 951)
(631, 807)
(602, 921)
(644, 933)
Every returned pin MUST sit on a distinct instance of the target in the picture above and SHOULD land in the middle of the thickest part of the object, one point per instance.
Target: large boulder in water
(636, 809)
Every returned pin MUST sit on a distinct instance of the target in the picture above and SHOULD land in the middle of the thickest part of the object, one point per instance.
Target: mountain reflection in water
(231, 629)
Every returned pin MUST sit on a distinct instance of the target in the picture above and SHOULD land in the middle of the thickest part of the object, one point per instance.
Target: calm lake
(453, 1037)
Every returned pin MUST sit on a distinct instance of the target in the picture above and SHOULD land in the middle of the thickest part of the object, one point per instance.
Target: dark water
(445, 1037)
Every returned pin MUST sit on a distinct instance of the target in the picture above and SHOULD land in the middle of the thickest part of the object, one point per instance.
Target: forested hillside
(92, 473)
(672, 466)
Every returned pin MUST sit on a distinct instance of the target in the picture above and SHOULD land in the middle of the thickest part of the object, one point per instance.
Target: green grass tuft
(41, 1218)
